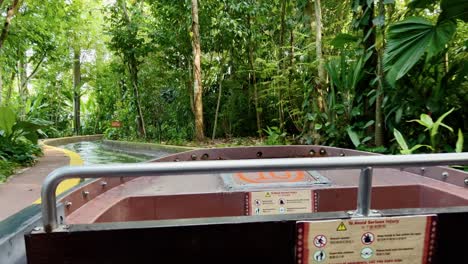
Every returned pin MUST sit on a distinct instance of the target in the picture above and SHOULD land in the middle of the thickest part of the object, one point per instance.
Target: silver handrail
(49, 210)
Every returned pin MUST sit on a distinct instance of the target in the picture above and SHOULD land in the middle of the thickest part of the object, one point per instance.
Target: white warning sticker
(405, 240)
(280, 202)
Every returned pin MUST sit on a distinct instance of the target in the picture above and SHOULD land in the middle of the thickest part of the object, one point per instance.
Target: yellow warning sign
(403, 240)
(280, 202)
(341, 227)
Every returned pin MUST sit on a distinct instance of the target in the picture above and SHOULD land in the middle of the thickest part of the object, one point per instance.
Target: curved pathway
(24, 188)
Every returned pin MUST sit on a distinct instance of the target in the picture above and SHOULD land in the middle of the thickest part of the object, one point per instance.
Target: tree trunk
(366, 84)
(281, 66)
(379, 119)
(22, 88)
(197, 84)
(217, 105)
(132, 65)
(254, 78)
(76, 90)
(6, 27)
(10, 88)
(319, 54)
(133, 68)
(1, 85)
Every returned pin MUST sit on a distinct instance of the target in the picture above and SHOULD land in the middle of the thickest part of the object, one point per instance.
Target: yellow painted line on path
(75, 160)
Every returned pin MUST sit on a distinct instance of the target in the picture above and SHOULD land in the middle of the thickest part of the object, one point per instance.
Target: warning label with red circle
(280, 202)
(404, 240)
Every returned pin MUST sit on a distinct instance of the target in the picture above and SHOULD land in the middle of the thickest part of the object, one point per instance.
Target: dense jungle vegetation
(380, 75)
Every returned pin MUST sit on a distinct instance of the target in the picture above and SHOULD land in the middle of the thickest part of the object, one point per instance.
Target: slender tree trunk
(22, 88)
(6, 27)
(197, 84)
(319, 54)
(379, 120)
(10, 88)
(254, 78)
(133, 68)
(132, 65)
(366, 83)
(76, 90)
(281, 65)
(1, 84)
(318, 42)
(218, 103)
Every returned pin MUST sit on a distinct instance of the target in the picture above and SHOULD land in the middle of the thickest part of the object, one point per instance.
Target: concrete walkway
(24, 188)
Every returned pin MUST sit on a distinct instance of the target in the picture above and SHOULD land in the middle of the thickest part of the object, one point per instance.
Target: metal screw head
(68, 204)
(36, 228)
(312, 152)
(103, 184)
(466, 181)
(194, 157)
(322, 151)
(445, 175)
(85, 194)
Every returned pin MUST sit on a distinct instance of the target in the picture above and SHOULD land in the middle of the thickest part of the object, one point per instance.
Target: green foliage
(459, 144)
(18, 140)
(404, 149)
(275, 136)
(262, 54)
(433, 127)
(6, 169)
(409, 39)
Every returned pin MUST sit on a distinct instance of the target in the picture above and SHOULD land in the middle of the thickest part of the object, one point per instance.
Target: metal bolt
(194, 157)
(423, 170)
(36, 228)
(342, 154)
(68, 204)
(466, 181)
(350, 212)
(445, 175)
(205, 156)
(323, 151)
(374, 211)
(103, 184)
(85, 194)
(312, 152)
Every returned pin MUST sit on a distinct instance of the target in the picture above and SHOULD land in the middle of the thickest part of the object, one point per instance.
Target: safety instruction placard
(280, 202)
(404, 240)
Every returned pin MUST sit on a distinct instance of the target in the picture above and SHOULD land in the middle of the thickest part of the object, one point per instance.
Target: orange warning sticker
(270, 177)
(280, 202)
(405, 240)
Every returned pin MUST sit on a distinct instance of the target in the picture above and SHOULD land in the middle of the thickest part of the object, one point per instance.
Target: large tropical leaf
(409, 39)
(7, 120)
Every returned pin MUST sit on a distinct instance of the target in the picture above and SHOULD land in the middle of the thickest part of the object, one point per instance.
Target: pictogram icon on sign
(320, 256)
(367, 238)
(258, 202)
(282, 201)
(367, 253)
(282, 210)
(257, 211)
(341, 227)
(320, 241)
(268, 195)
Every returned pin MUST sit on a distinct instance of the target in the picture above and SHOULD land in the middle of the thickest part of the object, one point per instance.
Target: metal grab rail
(49, 210)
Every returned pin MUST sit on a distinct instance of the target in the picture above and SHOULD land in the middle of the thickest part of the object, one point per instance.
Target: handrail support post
(364, 194)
